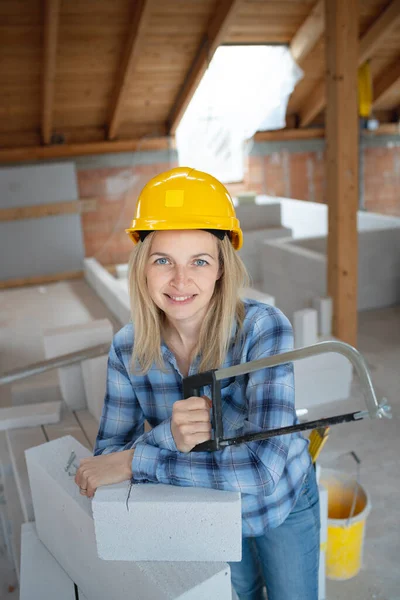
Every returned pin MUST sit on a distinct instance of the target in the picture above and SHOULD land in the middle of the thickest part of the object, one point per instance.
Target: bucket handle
(357, 486)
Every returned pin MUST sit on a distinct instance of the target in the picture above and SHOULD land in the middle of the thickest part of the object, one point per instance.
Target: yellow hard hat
(184, 198)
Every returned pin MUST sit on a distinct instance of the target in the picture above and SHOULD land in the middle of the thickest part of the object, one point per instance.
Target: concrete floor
(24, 313)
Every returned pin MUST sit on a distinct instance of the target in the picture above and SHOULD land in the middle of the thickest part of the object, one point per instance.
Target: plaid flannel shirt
(269, 474)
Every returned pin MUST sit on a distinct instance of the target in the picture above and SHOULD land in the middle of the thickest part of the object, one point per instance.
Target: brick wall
(116, 190)
(300, 174)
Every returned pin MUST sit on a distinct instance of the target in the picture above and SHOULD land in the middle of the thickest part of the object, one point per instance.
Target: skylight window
(244, 90)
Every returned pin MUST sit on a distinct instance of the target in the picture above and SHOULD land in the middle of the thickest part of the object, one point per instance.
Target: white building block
(167, 522)
(315, 386)
(42, 578)
(64, 340)
(305, 327)
(94, 373)
(14, 517)
(254, 294)
(324, 308)
(29, 416)
(19, 440)
(112, 291)
(122, 271)
(65, 525)
(30, 391)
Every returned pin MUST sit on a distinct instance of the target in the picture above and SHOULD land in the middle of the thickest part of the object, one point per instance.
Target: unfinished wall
(32, 247)
(296, 169)
(293, 169)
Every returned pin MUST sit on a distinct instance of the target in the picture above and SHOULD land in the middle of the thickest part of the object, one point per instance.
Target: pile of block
(171, 543)
(324, 378)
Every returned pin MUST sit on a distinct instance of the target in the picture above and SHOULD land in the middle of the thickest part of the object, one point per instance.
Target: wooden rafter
(289, 134)
(308, 33)
(132, 51)
(216, 31)
(14, 155)
(385, 23)
(370, 41)
(386, 82)
(51, 20)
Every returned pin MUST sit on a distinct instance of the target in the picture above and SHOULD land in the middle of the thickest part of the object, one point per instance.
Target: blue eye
(159, 261)
(200, 262)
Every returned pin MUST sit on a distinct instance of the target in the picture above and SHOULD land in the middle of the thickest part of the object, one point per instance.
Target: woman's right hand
(191, 422)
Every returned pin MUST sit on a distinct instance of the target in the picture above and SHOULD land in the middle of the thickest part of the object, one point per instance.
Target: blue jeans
(284, 559)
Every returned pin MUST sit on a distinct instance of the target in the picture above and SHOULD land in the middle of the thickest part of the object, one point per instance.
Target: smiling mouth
(181, 299)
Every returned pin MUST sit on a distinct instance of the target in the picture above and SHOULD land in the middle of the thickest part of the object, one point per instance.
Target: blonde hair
(225, 310)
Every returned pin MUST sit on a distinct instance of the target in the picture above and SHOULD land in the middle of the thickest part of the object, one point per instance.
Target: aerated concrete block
(29, 391)
(65, 525)
(19, 440)
(94, 373)
(29, 416)
(305, 327)
(42, 578)
(64, 340)
(324, 308)
(316, 387)
(113, 292)
(166, 522)
(254, 294)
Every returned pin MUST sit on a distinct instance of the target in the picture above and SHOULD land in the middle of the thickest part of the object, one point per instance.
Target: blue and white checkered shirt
(269, 474)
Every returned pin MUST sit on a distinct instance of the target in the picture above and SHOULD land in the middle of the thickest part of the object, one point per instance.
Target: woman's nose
(180, 276)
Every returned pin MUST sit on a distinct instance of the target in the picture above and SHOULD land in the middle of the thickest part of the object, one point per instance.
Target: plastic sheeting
(244, 90)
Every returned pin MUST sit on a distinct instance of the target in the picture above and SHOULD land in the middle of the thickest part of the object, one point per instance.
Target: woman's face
(181, 273)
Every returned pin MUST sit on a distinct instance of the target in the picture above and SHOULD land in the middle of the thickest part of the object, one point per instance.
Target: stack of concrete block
(64, 340)
(112, 291)
(160, 521)
(94, 373)
(259, 223)
(36, 389)
(64, 524)
(31, 415)
(292, 273)
(323, 378)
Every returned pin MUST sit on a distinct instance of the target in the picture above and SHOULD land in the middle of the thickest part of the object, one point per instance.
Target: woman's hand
(106, 469)
(191, 423)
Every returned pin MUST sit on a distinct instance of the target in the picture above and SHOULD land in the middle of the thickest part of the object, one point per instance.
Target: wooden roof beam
(370, 41)
(132, 51)
(32, 153)
(216, 31)
(308, 33)
(385, 23)
(386, 82)
(51, 21)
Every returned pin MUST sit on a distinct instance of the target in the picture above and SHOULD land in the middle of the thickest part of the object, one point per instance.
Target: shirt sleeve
(253, 467)
(122, 420)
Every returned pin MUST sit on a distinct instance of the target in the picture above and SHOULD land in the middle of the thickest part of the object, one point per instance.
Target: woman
(187, 316)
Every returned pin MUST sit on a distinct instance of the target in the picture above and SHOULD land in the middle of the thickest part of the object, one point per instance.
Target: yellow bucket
(348, 509)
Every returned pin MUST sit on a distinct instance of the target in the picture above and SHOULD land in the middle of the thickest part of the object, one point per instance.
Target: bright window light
(244, 90)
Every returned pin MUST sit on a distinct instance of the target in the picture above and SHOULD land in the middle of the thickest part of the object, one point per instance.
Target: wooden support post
(342, 137)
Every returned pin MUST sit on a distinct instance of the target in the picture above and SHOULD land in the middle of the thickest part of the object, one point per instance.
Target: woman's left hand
(101, 470)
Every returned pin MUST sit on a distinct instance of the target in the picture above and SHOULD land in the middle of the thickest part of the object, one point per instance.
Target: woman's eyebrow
(194, 255)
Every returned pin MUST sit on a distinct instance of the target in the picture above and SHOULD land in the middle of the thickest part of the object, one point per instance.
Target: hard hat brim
(235, 231)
